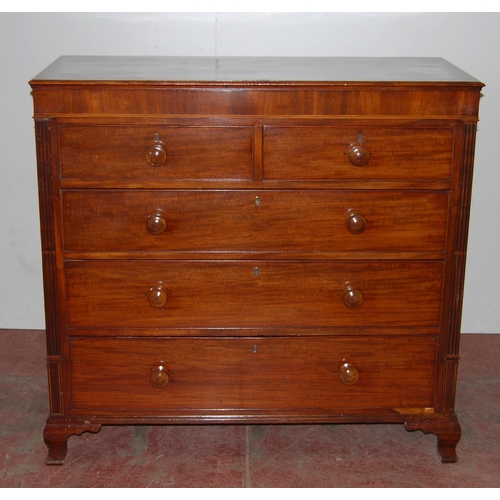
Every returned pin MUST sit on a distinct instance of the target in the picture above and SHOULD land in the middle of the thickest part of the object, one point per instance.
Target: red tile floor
(314, 456)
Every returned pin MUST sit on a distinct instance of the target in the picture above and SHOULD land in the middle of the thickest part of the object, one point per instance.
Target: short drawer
(287, 374)
(155, 153)
(225, 294)
(114, 220)
(357, 153)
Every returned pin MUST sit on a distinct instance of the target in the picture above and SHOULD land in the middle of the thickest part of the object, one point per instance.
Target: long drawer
(121, 220)
(287, 374)
(155, 152)
(218, 294)
(357, 153)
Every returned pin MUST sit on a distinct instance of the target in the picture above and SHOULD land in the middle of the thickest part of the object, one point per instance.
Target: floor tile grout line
(247, 481)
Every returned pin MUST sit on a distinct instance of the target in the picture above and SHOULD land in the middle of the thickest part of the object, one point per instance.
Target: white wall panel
(30, 41)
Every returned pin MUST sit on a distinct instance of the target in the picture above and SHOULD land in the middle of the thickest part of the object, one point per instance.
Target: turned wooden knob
(156, 155)
(157, 296)
(352, 297)
(356, 223)
(159, 377)
(359, 155)
(156, 224)
(348, 374)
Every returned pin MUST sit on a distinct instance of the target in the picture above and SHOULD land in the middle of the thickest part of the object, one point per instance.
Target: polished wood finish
(253, 240)
(348, 374)
(156, 224)
(159, 377)
(355, 222)
(387, 153)
(231, 220)
(222, 294)
(251, 374)
(128, 152)
(359, 155)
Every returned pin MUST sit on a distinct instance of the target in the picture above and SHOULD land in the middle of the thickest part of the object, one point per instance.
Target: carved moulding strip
(459, 261)
(46, 197)
(460, 244)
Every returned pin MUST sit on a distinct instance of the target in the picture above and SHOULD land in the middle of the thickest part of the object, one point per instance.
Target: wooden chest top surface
(334, 70)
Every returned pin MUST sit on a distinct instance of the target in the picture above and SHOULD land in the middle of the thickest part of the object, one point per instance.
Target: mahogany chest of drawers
(253, 240)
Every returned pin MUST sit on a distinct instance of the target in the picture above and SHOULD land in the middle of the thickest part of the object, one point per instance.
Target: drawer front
(214, 294)
(287, 374)
(327, 153)
(117, 220)
(124, 153)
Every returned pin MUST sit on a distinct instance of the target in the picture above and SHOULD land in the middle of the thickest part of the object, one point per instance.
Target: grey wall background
(31, 41)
